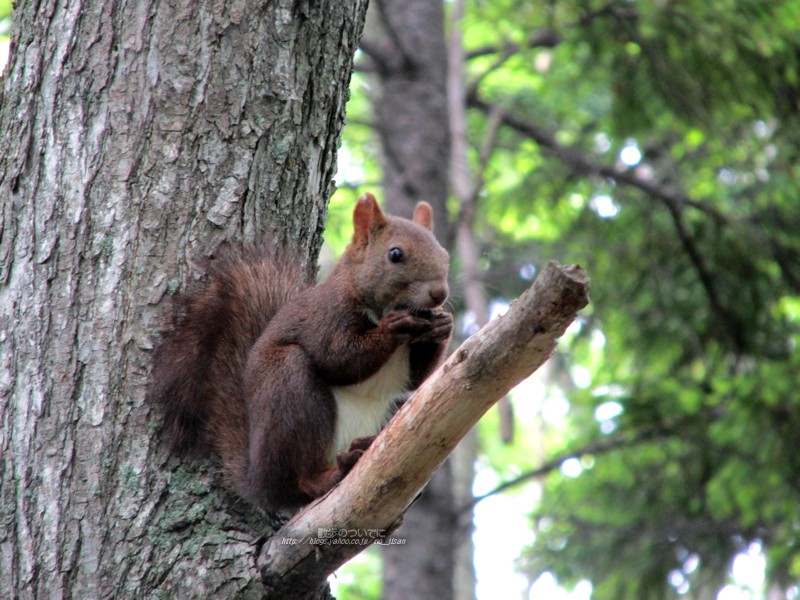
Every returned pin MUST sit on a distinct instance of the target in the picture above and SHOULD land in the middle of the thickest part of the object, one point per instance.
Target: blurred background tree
(657, 143)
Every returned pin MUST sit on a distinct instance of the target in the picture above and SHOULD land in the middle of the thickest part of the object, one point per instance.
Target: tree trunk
(137, 138)
(406, 44)
(410, 106)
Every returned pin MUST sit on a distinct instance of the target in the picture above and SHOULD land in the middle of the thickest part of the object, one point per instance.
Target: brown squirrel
(289, 382)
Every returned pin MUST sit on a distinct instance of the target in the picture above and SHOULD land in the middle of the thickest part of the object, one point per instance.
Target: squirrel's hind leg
(291, 417)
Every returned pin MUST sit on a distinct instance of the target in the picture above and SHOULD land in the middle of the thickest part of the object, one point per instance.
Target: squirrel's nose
(438, 294)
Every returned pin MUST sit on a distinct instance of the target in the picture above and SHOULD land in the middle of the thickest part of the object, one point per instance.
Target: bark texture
(137, 137)
(417, 440)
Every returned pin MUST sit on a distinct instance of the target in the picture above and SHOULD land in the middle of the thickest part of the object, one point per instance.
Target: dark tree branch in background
(546, 38)
(390, 53)
(602, 446)
(598, 447)
(609, 10)
(733, 324)
(492, 127)
(378, 57)
(581, 164)
(398, 51)
(498, 63)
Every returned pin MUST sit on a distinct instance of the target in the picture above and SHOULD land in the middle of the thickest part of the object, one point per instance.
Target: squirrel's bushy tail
(198, 368)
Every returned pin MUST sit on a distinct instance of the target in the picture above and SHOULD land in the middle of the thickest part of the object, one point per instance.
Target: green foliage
(694, 287)
(361, 578)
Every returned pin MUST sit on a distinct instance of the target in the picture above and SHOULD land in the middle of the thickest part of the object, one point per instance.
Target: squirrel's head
(396, 262)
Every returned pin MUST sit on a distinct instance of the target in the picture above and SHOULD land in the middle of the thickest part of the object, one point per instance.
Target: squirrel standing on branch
(288, 382)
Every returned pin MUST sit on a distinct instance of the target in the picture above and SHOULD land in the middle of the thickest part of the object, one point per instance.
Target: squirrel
(288, 382)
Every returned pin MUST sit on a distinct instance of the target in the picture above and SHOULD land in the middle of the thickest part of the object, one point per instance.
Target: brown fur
(250, 365)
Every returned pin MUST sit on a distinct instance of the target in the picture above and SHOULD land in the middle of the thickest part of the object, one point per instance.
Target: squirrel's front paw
(441, 327)
(426, 327)
(405, 324)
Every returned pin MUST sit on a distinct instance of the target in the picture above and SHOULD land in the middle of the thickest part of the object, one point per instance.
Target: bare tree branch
(369, 502)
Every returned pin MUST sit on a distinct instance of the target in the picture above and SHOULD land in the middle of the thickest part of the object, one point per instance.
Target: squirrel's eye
(396, 255)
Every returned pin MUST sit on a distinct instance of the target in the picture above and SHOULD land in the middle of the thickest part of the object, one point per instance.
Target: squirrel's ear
(423, 215)
(367, 216)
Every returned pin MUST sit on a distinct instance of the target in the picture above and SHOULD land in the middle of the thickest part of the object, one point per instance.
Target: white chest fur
(363, 407)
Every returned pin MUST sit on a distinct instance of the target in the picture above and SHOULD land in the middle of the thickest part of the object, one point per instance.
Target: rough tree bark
(137, 137)
(419, 437)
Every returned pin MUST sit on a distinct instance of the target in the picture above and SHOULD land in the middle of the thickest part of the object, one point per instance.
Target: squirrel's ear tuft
(423, 215)
(367, 216)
